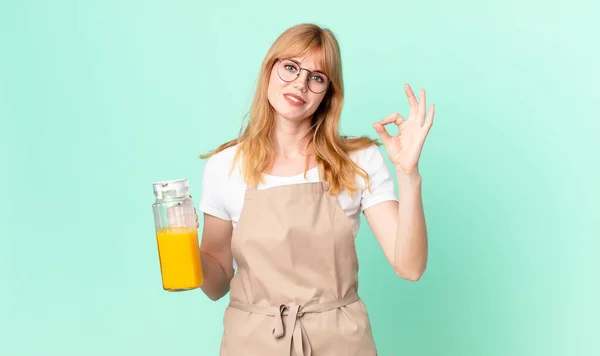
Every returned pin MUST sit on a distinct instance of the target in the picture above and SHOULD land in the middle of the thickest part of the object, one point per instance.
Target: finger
(392, 118)
(382, 132)
(412, 100)
(429, 120)
(421, 105)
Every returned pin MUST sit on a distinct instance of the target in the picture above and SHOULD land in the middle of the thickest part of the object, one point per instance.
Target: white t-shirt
(223, 193)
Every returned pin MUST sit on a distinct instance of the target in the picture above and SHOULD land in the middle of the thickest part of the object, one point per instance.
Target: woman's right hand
(216, 255)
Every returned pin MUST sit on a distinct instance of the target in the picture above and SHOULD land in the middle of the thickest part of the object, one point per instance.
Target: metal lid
(177, 188)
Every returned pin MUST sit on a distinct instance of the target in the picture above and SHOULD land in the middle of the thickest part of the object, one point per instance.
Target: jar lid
(174, 188)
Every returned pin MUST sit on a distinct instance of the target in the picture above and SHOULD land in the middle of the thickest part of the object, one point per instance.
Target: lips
(294, 99)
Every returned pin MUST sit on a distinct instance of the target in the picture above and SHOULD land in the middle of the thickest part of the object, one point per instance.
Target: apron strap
(322, 180)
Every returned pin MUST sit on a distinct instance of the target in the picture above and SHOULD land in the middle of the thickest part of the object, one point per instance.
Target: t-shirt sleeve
(382, 186)
(214, 178)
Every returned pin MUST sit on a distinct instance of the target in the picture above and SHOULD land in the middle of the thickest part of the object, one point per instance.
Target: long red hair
(332, 150)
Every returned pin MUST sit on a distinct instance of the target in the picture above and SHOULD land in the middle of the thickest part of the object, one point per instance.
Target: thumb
(382, 132)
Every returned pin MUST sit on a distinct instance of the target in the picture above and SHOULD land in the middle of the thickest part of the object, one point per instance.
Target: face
(294, 100)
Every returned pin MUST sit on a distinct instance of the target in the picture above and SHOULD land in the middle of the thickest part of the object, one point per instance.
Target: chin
(290, 114)
(295, 117)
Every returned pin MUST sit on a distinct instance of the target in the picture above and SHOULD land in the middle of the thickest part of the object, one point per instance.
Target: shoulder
(380, 185)
(221, 187)
(368, 157)
(364, 155)
(221, 162)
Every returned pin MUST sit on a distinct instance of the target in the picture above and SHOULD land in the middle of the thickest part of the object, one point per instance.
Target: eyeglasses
(289, 70)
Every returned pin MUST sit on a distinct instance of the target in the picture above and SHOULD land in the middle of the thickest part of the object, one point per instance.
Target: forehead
(312, 60)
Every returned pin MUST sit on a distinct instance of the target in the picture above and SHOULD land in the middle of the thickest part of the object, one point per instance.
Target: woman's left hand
(405, 148)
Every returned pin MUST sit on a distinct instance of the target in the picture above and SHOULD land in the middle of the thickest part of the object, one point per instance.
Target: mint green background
(98, 99)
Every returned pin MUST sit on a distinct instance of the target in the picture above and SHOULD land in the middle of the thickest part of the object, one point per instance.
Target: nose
(301, 83)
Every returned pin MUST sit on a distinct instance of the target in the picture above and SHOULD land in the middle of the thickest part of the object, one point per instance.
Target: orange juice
(179, 255)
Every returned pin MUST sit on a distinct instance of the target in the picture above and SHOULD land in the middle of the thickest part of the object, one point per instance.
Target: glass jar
(177, 236)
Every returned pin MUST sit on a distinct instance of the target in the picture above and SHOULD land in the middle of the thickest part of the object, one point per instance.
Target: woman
(282, 205)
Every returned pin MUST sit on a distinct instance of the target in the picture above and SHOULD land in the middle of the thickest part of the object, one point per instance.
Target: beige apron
(295, 289)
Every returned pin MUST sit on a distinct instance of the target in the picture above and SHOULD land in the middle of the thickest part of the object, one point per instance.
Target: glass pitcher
(177, 236)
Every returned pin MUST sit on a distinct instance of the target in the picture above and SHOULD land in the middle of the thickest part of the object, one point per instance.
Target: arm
(215, 246)
(400, 228)
(217, 260)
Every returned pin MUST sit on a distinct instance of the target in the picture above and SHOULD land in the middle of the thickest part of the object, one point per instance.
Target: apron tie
(288, 321)
(297, 338)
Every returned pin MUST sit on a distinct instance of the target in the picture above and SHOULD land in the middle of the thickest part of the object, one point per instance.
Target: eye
(290, 67)
(317, 78)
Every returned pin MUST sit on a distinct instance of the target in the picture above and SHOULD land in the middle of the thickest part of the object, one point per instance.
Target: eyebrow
(299, 65)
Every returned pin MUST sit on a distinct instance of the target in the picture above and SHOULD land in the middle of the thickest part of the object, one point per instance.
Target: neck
(289, 137)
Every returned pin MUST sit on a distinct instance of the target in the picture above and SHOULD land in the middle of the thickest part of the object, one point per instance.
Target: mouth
(294, 99)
